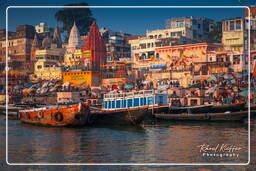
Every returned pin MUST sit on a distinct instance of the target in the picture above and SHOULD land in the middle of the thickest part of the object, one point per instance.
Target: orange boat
(66, 115)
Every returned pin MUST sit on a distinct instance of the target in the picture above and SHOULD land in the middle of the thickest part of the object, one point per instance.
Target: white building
(42, 27)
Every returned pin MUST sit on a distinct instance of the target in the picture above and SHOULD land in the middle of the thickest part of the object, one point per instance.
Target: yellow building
(73, 59)
(233, 33)
(48, 64)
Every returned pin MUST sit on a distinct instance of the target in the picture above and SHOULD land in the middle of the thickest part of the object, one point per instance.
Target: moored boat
(129, 108)
(228, 107)
(58, 115)
(227, 116)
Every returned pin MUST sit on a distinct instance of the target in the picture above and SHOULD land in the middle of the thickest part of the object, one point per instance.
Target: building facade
(116, 44)
(191, 27)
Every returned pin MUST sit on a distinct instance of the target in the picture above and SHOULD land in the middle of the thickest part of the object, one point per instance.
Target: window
(124, 104)
(113, 104)
(179, 23)
(129, 102)
(226, 26)
(118, 104)
(39, 66)
(150, 101)
(232, 26)
(238, 25)
(136, 101)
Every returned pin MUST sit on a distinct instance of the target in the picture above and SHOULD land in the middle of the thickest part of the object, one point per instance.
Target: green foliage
(82, 17)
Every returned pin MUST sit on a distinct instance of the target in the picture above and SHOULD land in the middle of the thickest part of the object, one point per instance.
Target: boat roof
(128, 94)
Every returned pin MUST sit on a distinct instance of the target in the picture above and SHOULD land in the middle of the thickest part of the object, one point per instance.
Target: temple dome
(74, 41)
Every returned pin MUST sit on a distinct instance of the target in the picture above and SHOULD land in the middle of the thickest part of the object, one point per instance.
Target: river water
(164, 142)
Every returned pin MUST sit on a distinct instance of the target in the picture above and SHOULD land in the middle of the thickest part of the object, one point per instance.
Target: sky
(133, 21)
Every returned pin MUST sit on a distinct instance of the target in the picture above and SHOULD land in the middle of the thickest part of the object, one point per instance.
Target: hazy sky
(134, 21)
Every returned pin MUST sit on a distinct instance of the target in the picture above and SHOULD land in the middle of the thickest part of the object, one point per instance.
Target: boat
(57, 115)
(129, 107)
(228, 107)
(191, 109)
(13, 111)
(223, 116)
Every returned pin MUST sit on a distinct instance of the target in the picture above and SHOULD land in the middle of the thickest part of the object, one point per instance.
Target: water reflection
(164, 142)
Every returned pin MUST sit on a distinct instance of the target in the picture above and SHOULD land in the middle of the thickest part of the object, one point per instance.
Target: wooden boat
(13, 111)
(190, 109)
(66, 115)
(227, 116)
(228, 107)
(129, 108)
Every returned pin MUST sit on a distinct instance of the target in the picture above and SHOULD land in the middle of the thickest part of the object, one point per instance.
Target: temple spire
(57, 37)
(94, 43)
(74, 41)
(34, 46)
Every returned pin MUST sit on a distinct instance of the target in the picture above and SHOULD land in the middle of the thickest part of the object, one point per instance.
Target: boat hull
(70, 115)
(228, 107)
(232, 116)
(120, 117)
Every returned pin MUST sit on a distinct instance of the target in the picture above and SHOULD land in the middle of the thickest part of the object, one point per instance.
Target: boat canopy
(114, 101)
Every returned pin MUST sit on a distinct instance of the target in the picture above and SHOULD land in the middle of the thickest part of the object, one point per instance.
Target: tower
(74, 41)
(94, 48)
(57, 38)
(35, 45)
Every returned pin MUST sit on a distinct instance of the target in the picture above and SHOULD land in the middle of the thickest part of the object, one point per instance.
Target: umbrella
(147, 81)
(209, 79)
(196, 78)
(163, 87)
(81, 84)
(96, 90)
(27, 85)
(211, 89)
(66, 84)
(194, 86)
(235, 88)
(246, 92)
(128, 86)
(228, 77)
(212, 78)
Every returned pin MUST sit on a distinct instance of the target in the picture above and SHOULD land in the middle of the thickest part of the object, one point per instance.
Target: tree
(82, 17)
(215, 34)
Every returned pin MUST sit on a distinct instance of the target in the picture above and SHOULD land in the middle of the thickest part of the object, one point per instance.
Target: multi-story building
(42, 27)
(19, 46)
(233, 32)
(116, 44)
(179, 62)
(48, 64)
(190, 27)
(19, 43)
(49, 58)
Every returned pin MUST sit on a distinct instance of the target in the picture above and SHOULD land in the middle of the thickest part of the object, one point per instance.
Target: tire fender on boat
(40, 115)
(58, 116)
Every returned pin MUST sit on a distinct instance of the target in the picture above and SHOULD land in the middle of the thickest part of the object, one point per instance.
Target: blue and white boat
(130, 107)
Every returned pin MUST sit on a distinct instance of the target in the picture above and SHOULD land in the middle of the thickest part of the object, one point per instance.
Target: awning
(159, 66)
